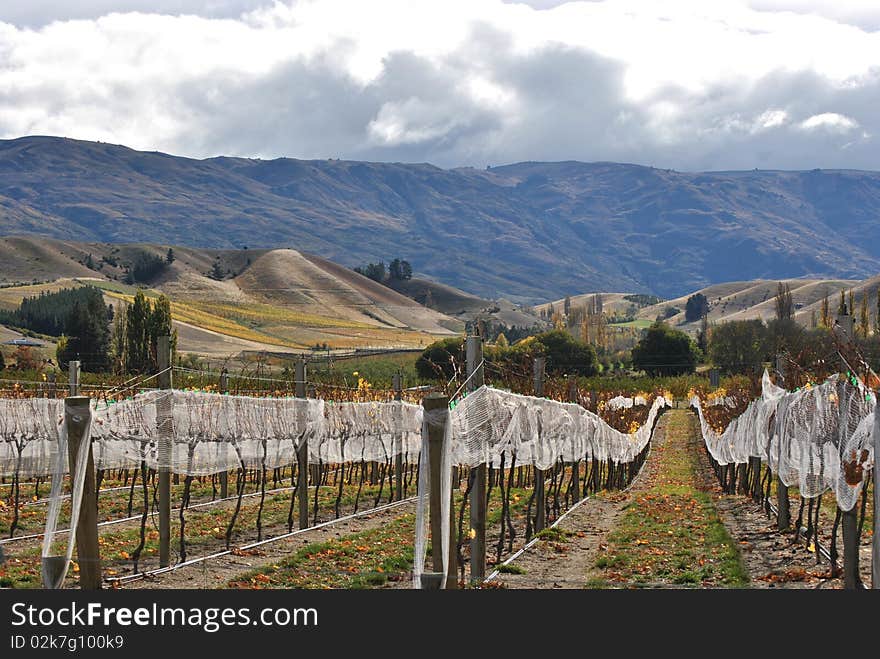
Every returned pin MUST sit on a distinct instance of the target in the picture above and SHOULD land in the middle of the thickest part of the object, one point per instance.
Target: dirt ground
(771, 559)
(217, 572)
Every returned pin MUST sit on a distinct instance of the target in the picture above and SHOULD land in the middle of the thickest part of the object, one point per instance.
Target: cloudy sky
(685, 84)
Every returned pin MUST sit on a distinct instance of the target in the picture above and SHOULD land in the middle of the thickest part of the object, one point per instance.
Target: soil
(772, 559)
(217, 572)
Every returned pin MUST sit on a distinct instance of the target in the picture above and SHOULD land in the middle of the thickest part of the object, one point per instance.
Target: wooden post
(76, 416)
(850, 518)
(51, 379)
(540, 506)
(73, 368)
(302, 455)
(224, 475)
(439, 404)
(164, 420)
(576, 464)
(396, 384)
(875, 539)
(783, 509)
(476, 379)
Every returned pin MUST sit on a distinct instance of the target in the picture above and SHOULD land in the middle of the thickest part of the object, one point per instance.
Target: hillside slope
(267, 299)
(528, 231)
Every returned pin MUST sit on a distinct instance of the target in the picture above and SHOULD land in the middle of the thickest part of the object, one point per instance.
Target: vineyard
(321, 484)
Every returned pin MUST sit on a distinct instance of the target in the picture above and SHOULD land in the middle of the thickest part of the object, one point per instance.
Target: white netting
(490, 422)
(208, 433)
(817, 439)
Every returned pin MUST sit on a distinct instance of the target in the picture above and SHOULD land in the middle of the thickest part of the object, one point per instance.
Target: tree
(399, 270)
(864, 321)
(665, 351)
(169, 256)
(90, 263)
(216, 271)
(703, 334)
(501, 341)
(877, 319)
(442, 359)
(784, 302)
(25, 359)
(2, 361)
(739, 346)
(566, 306)
(136, 351)
(145, 267)
(826, 312)
(88, 335)
(374, 271)
(566, 355)
(697, 306)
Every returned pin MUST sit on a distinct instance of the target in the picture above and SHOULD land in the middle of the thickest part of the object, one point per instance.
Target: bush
(665, 351)
(442, 359)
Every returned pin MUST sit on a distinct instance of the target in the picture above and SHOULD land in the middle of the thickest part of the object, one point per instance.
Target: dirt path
(674, 528)
(570, 563)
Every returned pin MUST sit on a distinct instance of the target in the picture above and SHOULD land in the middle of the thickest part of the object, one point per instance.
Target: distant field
(638, 323)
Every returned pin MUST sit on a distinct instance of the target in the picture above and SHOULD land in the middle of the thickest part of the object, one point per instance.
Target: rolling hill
(528, 231)
(267, 300)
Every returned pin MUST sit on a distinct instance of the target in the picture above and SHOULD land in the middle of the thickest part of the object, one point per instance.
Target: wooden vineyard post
(875, 539)
(73, 369)
(540, 506)
(783, 510)
(476, 379)
(51, 379)
(396, 384)
(164, 420)
(437, 405)
(849, 518)
(576, 464)
(76, 417)
(224, 475)
(302, 455)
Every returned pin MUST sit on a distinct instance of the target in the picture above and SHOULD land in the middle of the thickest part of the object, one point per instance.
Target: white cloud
(829, 121)
(685, 83)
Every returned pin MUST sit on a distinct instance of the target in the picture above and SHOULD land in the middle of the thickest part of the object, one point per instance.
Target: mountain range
(527, 231)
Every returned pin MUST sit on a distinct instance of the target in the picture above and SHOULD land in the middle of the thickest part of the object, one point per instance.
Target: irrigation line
(534, 540)
(64, 497)
(111, 522)
(162, 570)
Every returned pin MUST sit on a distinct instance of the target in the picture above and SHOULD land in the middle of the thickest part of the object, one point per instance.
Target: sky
(683, 84)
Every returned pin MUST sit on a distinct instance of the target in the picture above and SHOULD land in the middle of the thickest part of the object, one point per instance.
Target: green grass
(638, 323)
(672, 533)
(367, 559)
(510, 568)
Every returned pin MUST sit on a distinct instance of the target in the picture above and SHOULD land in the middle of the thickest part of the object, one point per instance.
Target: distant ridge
(529, 231)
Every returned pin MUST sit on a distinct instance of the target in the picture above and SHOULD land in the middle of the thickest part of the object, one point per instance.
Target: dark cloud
(483, 99)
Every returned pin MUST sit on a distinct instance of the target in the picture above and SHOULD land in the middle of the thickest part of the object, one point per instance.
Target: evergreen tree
(137, 335)
(826, 312)
(88, 335)
(216, 271)
(697, 305)
(784, 302)
(169, 256)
